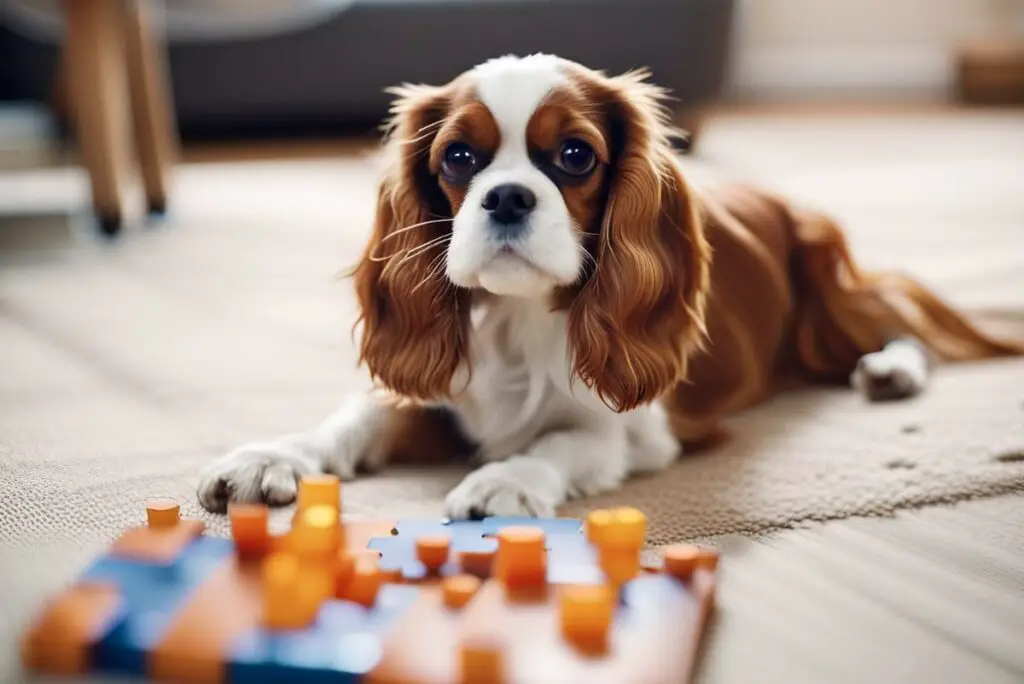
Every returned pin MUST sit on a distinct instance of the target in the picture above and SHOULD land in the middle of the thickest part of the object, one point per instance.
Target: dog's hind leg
(879, 330)
(899, 370)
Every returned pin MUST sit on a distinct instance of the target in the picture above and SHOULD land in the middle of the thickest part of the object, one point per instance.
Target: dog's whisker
(425, 247)
(434, 270)
(399, 231)
(414, 252)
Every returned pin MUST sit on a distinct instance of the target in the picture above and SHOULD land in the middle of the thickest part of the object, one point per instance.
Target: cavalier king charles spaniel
(543, 289)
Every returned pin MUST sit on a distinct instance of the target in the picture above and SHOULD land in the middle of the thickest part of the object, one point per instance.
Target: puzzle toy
(413, 602)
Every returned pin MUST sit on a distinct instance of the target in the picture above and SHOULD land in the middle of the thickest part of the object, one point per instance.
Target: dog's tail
(846, 312)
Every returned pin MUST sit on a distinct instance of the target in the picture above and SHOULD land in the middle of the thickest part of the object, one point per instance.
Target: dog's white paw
(897, 372)
(505, 489)
(266, 472)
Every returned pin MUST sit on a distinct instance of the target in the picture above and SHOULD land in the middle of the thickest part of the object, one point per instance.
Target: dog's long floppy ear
(414, 321)
(640, 314)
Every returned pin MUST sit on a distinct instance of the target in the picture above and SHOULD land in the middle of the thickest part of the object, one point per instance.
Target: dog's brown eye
(459, 162)
(576, 158)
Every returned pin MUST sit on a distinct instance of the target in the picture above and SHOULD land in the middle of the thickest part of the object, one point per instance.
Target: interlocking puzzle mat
(410, 601)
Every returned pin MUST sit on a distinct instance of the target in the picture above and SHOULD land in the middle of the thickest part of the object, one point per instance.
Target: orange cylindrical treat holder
(597, 525)
(291, 596)
(622, 527)
(522, 559)
(618, 565)
(250, 528)
(479, 563)
(319, 490)
(459, 589)
(432, 552)
(481, 661)
(162, 513)
(682, 559)
(586, 615)
(317, 531)
(344, 565)
(365, 581)
(60, 642)
(629, 528)
(618, 535)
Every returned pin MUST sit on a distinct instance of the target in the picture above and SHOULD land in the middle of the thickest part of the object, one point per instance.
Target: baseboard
(901, 74)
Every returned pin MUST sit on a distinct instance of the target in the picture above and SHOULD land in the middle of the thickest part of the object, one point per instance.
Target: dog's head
(538, 178)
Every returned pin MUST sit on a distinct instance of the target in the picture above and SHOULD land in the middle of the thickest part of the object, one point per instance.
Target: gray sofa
(329, 74)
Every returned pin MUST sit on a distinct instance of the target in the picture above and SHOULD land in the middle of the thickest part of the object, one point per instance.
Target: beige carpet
(124, 367)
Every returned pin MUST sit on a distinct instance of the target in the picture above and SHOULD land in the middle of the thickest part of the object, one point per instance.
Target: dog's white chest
(521, 378)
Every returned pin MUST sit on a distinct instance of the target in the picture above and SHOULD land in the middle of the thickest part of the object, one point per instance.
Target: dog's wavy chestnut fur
(631, 344)
(415, 323)
(624, 317)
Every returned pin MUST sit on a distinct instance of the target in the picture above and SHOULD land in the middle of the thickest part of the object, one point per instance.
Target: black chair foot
(110, 224)
(157, 207)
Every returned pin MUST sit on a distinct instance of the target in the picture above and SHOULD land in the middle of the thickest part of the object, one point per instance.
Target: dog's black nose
(509, 203)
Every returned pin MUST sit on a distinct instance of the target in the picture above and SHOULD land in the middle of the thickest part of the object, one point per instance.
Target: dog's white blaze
(512, 89)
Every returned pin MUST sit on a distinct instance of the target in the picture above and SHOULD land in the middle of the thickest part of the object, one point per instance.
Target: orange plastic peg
(586, 613)
(283, 608)
(459, 589)
(344, 566)
(319, 490)
(682, 559)
(619, 565)
(598, 523)
(432, 552)
(365, 581)
(317, 531)
(162, 513)
(522, 560)
(477, 563)
(481, 661)
(250, 528)
(629, 528)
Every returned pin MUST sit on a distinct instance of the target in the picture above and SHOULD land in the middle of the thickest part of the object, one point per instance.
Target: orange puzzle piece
(60, 640)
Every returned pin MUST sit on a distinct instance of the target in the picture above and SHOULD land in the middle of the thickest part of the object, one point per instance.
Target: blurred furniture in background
(113, 83)
(990, 69)
(243, 68)
(107, 78)
(110, 83)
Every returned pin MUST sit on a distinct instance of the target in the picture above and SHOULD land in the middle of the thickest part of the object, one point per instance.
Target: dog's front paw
(502, 489)
(265, 472)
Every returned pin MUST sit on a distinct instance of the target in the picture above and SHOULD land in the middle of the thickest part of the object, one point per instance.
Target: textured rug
(124, 367)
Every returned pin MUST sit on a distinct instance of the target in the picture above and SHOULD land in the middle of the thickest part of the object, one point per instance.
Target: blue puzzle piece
(551, 526)
(152, 596)
(343, 644)
(309, 657)
(569, 547)
(567, 573)
(398, 552)
(572, 560)
(392, 601)
(466, 535)
(395, 552)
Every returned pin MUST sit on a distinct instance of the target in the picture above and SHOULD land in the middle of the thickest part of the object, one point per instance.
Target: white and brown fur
(623, 322)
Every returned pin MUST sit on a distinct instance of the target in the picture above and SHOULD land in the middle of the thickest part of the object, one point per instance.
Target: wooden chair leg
(60, 96)
(152, 103)
(95, 56)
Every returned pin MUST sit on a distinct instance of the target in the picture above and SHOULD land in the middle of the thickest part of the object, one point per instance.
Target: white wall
(859, 49)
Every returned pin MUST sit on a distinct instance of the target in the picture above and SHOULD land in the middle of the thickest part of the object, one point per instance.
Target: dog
(544, 290)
